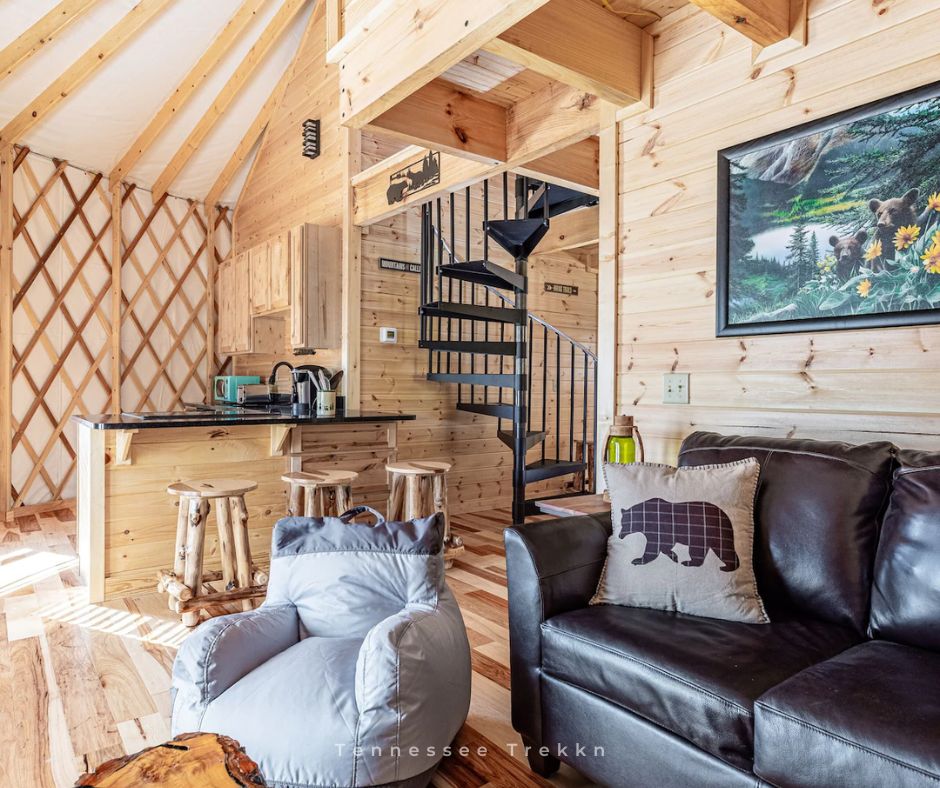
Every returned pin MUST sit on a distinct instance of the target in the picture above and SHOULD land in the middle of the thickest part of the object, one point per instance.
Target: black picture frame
(723, 326)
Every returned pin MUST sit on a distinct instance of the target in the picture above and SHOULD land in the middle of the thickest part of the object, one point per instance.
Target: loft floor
(80, 684)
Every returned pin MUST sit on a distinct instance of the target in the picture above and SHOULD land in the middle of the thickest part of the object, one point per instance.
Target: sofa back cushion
(817, 519)
(905, 604)
(345, 577)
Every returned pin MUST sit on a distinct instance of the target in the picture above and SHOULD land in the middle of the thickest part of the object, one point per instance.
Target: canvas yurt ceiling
(247, 44)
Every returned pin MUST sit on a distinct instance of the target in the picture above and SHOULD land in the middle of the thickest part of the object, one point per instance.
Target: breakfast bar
(126, 520)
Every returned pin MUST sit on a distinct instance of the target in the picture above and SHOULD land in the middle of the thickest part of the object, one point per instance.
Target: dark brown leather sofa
(841, 689)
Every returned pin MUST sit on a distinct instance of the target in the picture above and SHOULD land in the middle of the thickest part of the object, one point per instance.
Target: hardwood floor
(81, 683)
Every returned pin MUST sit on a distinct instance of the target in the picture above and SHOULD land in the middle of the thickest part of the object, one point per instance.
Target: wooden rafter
(765, 22)
(81, 69)
(578, 43)
(28, 43)
(380, 71)
(187, 87)
(245, 69)
(442, 116)
(248, 140)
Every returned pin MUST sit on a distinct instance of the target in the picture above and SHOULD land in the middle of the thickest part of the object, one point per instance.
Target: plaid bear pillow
(683, 540)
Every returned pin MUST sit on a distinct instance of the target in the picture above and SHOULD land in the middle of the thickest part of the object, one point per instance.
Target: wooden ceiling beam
(81, 69)
(187, 87)
(765, 22)
(570, 118)
(27, 44)
(255, 56)
(579, 43)
(418, 41)
(442, 116)
(576, 167)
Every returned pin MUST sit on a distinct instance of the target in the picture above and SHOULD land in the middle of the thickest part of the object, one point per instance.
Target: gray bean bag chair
(356, 669)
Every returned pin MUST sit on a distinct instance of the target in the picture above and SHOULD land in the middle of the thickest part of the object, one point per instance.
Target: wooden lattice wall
(72, 308)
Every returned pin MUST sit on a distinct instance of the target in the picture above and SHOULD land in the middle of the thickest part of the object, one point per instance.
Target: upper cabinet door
(224, 297)
(242, 329)
(279, 271)
(298, 267)
(259, 261)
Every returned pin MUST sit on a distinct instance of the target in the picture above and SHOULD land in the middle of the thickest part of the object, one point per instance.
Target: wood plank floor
(81, 683)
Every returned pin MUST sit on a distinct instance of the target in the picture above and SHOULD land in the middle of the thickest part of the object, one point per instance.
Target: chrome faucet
(272, 378)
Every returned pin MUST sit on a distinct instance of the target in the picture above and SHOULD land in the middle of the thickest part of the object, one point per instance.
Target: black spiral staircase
(480, 336)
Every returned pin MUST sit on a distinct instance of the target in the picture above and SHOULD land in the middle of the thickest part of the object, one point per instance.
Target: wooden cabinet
(270, 275)
(316, 255)
(234, 324)
(297, 274)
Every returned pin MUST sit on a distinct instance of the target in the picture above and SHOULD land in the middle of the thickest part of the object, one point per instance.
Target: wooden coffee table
(191, 760)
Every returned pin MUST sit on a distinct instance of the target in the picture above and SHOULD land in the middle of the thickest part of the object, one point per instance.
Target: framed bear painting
(833, 224)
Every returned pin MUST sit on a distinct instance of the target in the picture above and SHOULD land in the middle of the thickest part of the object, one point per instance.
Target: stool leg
(310, 502)
(179, 554)
(242, 548)
(412, 497)
(328, 501)
(195, 542)
(295, 506)
(396, 497)
(223, 517)
(439, 490)
(343, 499)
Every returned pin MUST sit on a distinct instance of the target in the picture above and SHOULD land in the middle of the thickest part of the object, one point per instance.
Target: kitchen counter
(127, 521)
(227, 416)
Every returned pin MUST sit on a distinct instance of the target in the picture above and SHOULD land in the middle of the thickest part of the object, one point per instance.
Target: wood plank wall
(850, 385)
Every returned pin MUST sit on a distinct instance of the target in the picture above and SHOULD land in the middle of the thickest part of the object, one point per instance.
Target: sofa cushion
(868, 718)
(697, 677)
(905, 605)
(817, 520)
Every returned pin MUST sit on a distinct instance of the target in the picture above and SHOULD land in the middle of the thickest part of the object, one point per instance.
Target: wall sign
(559, 289)
(399, 265)
(414, 177)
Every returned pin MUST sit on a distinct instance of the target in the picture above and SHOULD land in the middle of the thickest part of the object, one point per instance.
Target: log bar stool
(187, 584)
(418, 489)
(319, 493)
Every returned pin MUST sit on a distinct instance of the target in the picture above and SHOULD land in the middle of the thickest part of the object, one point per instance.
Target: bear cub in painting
(848, 253)
(892, 214)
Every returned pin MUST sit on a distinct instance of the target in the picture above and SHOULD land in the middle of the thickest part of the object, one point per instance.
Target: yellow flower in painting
(863, 288)
(931, 259)
(873, 251)
(905, 236)
(933, 202)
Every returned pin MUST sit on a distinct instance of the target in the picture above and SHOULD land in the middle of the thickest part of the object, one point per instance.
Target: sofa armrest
(412, 690)
(552, 567)
(222, 651)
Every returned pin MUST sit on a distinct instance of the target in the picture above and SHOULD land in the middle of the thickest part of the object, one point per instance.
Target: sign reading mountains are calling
(399, 265)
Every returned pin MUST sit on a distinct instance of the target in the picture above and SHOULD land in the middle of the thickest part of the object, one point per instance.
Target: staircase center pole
(520, 403)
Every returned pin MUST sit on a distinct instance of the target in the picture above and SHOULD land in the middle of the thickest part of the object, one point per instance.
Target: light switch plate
(676, 388)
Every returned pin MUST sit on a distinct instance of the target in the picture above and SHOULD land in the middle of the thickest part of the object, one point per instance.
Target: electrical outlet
(676, 388)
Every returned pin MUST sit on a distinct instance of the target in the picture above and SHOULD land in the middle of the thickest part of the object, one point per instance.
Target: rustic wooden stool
(187, 585)
(202, 759)
(418, 489)
(319, 493)
(584, 452)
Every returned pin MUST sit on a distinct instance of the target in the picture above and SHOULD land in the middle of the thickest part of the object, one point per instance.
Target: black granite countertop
(221, 416)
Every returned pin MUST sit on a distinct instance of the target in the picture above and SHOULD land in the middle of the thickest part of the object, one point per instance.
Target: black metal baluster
(440, 275)
(584, 420)
(596, 447)
(544, 386)
(486, 252)
(571, 410)
(473, 300)
(557, 397)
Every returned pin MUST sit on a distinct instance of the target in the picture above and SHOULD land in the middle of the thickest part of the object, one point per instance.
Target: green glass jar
(621, 448)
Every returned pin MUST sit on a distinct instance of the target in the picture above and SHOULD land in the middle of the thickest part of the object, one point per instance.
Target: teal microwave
(226, 386)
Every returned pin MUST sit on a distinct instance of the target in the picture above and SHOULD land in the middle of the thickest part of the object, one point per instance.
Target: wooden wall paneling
(352, 273)
(61, 325)
(222, 362)
(7, 155)
(710, 95)
(117, 255)
(211, 311)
